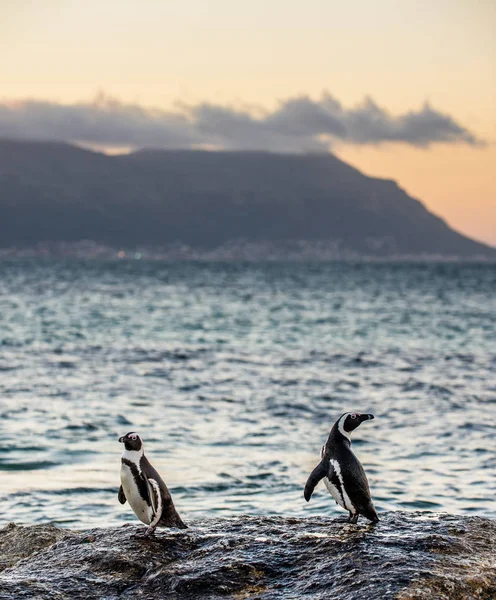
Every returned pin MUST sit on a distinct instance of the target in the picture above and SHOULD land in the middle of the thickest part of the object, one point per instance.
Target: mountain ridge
(205, 200)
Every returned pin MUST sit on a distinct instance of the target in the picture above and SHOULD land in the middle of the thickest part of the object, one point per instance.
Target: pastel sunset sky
(400, 89)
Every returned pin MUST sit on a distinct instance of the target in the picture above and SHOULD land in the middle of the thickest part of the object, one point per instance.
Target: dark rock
(405, 556)
(19, 542)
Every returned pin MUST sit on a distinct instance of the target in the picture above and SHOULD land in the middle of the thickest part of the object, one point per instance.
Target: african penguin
(144, 489)
(342, 472)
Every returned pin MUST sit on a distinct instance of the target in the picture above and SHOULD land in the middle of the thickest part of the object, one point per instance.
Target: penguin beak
(367, 417)
(121, 439)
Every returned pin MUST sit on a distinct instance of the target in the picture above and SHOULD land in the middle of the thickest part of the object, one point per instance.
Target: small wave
(190, 387)
(27, 466)
(361, 361)
(422, 504)
(160, 373)
(76, 491)
(4, 368)
(80, 427)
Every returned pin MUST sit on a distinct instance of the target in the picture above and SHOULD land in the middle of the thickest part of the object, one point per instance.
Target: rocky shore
(406, 556)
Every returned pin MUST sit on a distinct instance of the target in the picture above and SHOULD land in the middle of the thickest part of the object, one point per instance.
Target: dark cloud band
(298, 125)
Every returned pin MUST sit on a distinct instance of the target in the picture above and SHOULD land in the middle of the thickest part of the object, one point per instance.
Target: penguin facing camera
(342, 472)
(144, 489)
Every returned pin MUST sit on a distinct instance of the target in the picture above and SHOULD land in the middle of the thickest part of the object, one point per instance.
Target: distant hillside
(206, 200)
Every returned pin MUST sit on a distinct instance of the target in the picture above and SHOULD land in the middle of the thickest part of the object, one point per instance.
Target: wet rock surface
(405, 556)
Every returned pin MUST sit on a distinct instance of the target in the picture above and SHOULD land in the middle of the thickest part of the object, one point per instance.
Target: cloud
(105, 122)
(370, 124)
(298, 124)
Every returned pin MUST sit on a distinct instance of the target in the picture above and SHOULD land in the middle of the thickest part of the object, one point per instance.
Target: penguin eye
(354, 416)
(133, 437)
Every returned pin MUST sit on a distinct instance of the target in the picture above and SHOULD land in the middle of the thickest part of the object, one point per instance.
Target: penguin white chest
(140, 507)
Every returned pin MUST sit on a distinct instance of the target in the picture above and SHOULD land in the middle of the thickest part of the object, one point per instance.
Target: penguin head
(350, 421)
(131, 441)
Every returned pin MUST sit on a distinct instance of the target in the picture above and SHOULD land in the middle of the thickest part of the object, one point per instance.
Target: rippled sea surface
(233, 375)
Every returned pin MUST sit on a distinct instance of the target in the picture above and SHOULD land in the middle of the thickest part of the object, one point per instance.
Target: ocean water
(233, 375)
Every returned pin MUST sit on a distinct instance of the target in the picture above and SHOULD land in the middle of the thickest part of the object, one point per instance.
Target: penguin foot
(149, 532)
(353, 518)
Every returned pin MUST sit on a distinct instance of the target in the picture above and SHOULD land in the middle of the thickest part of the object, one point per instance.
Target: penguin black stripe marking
(338, 479)
(342, 472)
(144, 489)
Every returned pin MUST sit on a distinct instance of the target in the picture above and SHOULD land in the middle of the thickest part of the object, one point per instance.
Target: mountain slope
(58, 192)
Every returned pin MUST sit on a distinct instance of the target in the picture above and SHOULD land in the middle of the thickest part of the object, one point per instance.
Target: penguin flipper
(323, 469)
(121, 496)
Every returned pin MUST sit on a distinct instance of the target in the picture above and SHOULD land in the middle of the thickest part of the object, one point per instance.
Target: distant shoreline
(237, 252)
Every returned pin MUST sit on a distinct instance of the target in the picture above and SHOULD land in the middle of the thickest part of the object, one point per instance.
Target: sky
(403, 90)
